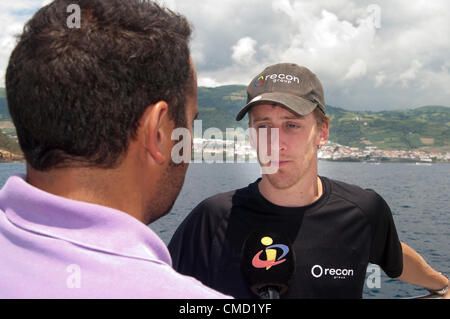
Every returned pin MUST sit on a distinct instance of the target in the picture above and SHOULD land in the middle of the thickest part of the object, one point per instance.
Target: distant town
(337, 152)
(219, 151)
(214, 149)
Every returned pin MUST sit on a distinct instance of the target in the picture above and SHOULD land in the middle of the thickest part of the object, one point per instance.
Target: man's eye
(293, 126)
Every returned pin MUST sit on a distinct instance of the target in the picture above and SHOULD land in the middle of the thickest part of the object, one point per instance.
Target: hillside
(426, 127)
(219, 106)
(9, 148)
(406, 129)
(8, 145)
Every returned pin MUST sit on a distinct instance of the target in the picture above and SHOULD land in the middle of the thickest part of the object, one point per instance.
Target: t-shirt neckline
(267, 206)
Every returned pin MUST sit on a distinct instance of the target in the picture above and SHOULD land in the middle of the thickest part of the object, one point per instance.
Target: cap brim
(296, 104)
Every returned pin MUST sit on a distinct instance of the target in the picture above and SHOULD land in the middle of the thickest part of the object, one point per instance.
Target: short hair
(76, 95)
(321, 117)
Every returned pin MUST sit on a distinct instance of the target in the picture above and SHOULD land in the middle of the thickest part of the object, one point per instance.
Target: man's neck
(301, 194)
(96, 186)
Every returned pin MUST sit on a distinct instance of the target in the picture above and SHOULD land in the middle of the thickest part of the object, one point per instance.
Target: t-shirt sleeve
(386, 250)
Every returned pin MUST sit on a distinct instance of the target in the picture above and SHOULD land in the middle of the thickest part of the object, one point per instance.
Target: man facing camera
(94, 108)
(333, 229)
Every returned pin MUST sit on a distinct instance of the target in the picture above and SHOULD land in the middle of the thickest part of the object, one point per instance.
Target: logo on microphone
(271, 254)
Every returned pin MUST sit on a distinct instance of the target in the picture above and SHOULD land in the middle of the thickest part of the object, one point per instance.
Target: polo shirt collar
(87, 225)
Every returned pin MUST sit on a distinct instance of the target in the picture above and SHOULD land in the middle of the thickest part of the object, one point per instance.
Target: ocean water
(417, 194)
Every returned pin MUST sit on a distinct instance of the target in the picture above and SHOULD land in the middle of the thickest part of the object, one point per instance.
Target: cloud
(357, 70)
(171, 4)
(379, 79)
(13, 15)
(244, 50)
(410, 74)
(382, 55)
(208, 82)
(327, 44)
(368, 56)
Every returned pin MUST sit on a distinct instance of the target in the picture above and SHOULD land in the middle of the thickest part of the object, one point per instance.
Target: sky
(383, 55)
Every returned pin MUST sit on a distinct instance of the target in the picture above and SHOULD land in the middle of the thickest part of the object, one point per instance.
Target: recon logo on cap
(259, 81)
(281, 78)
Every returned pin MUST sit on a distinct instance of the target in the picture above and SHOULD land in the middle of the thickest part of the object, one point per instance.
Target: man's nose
(282, 145)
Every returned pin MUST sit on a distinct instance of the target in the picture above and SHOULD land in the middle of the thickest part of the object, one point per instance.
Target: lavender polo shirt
(53, 247)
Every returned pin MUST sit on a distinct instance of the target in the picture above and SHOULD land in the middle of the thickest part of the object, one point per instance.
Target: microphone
(268, 263)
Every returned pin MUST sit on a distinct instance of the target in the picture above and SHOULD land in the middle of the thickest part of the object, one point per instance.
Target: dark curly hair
(76, 94)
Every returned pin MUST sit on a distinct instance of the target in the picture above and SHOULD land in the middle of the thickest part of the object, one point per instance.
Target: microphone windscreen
(267, 260)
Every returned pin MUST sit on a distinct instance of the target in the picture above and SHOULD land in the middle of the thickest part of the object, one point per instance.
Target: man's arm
(416, 271)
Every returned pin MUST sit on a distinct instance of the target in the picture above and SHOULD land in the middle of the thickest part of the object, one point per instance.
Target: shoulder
(171, 284)
(350, 191)
(369, 201)
(192, 243)
(135, 282)
(219, 206)
(202, 223)
(190, 287)
(218, 203)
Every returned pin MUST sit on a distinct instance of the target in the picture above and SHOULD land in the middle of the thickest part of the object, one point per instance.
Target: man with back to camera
(334, 228)
(94, 108)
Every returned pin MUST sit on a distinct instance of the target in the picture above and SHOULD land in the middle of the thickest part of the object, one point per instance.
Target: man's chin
(280, 182)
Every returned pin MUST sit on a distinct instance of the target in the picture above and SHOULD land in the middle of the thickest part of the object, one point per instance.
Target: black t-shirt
(334, 239)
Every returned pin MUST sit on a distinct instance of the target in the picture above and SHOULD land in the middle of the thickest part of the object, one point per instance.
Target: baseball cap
(293, 86)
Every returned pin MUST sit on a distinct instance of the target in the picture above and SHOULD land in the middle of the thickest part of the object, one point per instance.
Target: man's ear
(155, 123)
(324, 131)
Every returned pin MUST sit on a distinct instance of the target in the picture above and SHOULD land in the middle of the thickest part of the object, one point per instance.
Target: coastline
(219, 151)
(12, 161)
(384, 160)
(336, 152)
(8, 157)
(209, 150)
(346, 160)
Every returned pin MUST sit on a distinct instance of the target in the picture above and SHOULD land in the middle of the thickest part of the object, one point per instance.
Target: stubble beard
(286, 177)
(170, 184)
